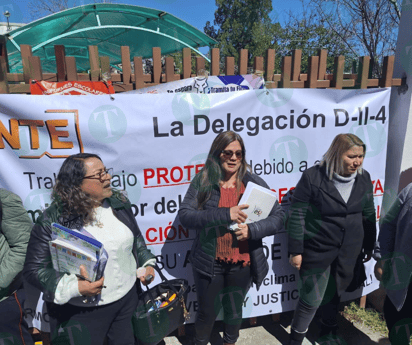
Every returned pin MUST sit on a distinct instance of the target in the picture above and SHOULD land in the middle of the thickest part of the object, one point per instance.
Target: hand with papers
(87, 288)
(237, 215)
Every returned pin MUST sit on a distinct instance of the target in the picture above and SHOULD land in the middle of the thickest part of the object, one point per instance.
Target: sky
(195, 12)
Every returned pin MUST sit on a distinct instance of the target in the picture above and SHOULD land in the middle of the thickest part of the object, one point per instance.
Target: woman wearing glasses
(84, 200)
(225, 263)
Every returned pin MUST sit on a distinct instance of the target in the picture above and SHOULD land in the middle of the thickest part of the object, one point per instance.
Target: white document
(260, 201)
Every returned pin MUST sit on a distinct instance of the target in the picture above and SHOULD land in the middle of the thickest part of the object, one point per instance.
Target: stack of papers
(260, 200)
(70, 248)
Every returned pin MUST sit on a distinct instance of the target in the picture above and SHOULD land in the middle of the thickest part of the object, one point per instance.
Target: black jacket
(38, 268)
(326, 230)
(211, 217)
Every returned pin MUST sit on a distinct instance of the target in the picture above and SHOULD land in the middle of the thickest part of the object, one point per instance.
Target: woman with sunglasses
(224, 262)
(80, 311)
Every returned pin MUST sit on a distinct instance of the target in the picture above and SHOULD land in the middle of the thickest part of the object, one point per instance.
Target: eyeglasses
(227, 154)
(100, 175)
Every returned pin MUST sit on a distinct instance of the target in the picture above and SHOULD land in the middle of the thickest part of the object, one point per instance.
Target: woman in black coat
(224, 262)
(332, 229)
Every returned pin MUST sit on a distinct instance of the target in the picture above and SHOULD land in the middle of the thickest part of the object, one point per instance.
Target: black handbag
(160, 310)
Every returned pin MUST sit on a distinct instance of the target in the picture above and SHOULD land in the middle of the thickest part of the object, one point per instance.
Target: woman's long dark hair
(67, 191)
(212, 174)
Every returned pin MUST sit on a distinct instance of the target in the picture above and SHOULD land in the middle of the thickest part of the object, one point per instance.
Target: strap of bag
(165, 280)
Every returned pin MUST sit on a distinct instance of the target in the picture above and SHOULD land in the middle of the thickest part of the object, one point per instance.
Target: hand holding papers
(260, 201)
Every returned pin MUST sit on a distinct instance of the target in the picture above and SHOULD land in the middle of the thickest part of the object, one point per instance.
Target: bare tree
(369, 27)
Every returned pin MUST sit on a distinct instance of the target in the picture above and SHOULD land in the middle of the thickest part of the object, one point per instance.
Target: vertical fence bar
(286, 71)
(243, 57)
(229, 65)
(126, 65)
(215, 60)
(200, 65)
(3, 50)
(157, 65)
(138, 72)
(363, 72)
(312, 81)
(35, 68)
(338, 72)
(60, 54)
(187, 63)
(387, 71)
(4, 84)
(323, 60)
(26, 51)
(296, 64)
(258, 64)
(170, 69)
(270, 64)
(71, 68)
(94, 63)
(105, 65)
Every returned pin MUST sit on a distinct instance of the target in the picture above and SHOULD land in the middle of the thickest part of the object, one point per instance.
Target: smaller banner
(70, 87)
(207, 84)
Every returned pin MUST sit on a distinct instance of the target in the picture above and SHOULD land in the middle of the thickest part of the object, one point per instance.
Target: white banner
(157, 143)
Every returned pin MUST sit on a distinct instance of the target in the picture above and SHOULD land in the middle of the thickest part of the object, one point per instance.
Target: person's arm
(15, 227)
(38, 268)
(295, 221)
(270, 225)
(191, 217)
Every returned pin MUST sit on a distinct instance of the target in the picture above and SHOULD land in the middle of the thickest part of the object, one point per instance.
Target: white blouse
(120, 272)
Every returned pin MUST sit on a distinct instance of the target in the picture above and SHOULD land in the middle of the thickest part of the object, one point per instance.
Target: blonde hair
(333, 158)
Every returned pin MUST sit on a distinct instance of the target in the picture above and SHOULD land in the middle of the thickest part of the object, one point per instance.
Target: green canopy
(108, 26)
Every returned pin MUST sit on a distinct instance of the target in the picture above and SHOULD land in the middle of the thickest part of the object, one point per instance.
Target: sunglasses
(227, 154)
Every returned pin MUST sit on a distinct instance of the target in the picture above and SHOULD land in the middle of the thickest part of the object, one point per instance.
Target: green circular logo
(107, 124)
(373, 135)
(288, 154)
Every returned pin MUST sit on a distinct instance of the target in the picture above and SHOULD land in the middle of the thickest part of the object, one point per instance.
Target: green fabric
(108, 39)
(14, 236)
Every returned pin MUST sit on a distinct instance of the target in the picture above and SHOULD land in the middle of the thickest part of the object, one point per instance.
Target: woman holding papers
(332, 229)
(225, 262)
(84, 201)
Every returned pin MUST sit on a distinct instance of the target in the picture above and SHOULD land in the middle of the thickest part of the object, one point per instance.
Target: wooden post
(4, 84)
(126, 67)
(243, 57)
(60, 54)
(387, 71)
(170, 69)
(138, 72)
(312, 81)
(187, 63)
(296, 64)
(323, 59)
(338, 72)
(363, 72)
(35, 68)
(215, 60)
(286, 71)
(362, 302)
(26, 51)
(229, 65)
(200, 65)
(270, 64)
(157, 65)
(3, 50)
(94, 63)
(258, 64)
(71, 68)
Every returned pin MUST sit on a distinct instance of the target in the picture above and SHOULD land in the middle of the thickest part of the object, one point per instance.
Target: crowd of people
(331, 227)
